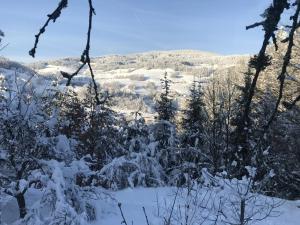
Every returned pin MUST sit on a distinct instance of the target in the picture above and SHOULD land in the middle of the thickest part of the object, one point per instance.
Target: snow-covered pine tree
(215, 129)
(194, 117)
(239, 155)
(72, 115)
(165, 105)
(100, 137)
(137, 134)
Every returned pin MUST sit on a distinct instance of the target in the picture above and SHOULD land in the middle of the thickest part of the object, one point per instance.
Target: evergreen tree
(100, 138)
(215, 129)
(164, 131)
(164, 106)
(72, 115)
(137, 134)
(194, 117)
(240, 156)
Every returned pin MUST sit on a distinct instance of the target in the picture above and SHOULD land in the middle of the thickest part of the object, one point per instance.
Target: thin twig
(293, 103)
(53, 16)
(85, 56)
(124, 220)
(144, 210)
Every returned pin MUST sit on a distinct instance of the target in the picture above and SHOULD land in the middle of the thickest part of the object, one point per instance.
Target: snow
(133, 200)
(157, 202)
(138, 75)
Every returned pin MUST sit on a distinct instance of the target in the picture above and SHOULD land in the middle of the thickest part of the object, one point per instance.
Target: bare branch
(144, 210)
(254, 25)
(53, 16)
(121, 211)
(85, 56)
(286, 62)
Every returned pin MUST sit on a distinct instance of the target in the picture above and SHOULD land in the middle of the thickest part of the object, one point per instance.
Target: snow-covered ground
(133, 201)
(157, 203)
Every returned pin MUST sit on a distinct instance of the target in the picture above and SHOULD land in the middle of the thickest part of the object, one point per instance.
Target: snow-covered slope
(141, 73)
(134, 79)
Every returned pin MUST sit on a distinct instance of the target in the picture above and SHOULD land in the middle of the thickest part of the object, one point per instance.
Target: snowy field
(157, 203)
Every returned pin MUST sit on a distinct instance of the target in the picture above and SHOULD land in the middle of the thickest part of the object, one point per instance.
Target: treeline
(58, 129)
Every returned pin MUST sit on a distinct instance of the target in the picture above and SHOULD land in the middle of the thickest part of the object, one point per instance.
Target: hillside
(135, 78)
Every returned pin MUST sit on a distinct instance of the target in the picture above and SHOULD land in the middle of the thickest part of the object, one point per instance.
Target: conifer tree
(194, 117)
(215, 129)
(164, 130)
(72, 115)
(240, 155)
(100, 137)
(164, 107)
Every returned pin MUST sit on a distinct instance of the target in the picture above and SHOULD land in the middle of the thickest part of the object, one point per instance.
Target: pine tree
(240, 155)
(164, 106)
(72, 115)
(164, 130)
(194, 117)
(100, 138)
(137, 134)
(215, 129)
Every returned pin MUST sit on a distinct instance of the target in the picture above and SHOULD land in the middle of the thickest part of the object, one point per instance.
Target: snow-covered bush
(23, 141)
(62, 201)
(219, 201)
(181, 164)
(164, 133)
(136, 169)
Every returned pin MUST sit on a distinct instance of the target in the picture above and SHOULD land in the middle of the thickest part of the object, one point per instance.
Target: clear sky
(128, 26)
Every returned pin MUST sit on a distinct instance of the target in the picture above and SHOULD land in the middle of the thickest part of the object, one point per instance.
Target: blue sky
(128, 26)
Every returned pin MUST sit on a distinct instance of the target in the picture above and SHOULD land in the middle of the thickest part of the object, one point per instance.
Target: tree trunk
(22, 205)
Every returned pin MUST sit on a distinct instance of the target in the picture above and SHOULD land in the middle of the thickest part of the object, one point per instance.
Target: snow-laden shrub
(136, 169)
(62, 201)
(181, 164)
(164, 132)
(219, 201)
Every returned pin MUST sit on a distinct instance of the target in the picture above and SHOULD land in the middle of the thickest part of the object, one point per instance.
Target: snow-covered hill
(134, 79)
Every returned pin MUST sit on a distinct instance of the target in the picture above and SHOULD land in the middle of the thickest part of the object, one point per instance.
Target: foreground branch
(85, 56)
(53, 16)
(286, 62)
